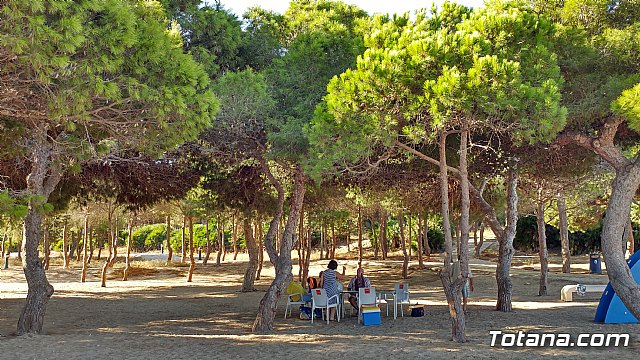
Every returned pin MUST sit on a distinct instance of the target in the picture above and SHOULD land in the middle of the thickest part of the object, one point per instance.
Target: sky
(371, 6)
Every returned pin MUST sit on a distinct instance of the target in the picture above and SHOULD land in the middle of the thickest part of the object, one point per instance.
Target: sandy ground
(158, 315)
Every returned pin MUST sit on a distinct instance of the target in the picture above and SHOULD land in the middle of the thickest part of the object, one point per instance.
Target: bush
(527, 235)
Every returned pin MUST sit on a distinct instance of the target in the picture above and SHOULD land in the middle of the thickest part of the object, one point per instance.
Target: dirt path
(158, 315)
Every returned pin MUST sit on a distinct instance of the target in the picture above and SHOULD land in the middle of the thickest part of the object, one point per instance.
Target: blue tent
(611, 310)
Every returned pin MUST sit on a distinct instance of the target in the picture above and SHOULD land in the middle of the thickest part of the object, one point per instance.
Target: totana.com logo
(527, 339)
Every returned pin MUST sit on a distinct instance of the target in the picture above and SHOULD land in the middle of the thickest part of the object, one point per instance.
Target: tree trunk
(91, 240)
(405, 263)
(65, 256)
(376, 238)
(282, 261)
(322, 240)
(427, 247)
(127, 264)
(112, 243)
(564, 234)
(220, 230)
(420, 237)
(252, 249)
(183, 260)
(207, 253)
(616, 220)
(307, 259)
(505, 243)
(480, 239)
(39, 290)
(334, 241)
(224, 244)
(409, 236)
(384, 244)
(359, 236)
(41, 181)
(100, 246)
(630, 241)
(192, 260)
(169, 248)
(85, 242)
(301, 249)
(542, 244)
(78, 247)
(452, 287)
(46, 245)
(234, 221)
(260, 248)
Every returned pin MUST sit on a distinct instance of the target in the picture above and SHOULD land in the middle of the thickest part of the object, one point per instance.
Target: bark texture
(282, 261)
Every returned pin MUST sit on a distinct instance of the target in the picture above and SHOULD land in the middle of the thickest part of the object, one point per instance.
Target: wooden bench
(566, 294)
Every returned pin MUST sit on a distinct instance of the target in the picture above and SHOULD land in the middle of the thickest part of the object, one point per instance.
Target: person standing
(329, 282)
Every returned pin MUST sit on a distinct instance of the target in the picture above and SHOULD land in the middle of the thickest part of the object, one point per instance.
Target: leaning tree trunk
(542, 244)
(78, 247)
(169, 248)
(616, 220)
(192, 260)
(41, 181)
(282, 261)
(252, 249)
(405, 262)
(453, 287)
(85, 257)
(322, 241)
(359, 236)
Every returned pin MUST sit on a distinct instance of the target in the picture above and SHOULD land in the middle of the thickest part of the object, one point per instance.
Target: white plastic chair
(366, 297)
(319, 300)
(401, 297)
(291, 302)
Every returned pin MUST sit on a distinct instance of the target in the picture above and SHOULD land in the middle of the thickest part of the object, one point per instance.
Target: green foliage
(105, 73)
(493, 69)
(526, 238)
(214, 37)
(149, 237)
(324, 42)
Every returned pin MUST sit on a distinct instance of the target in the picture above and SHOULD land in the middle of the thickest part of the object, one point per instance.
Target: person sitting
(357, 282)
(313, 283)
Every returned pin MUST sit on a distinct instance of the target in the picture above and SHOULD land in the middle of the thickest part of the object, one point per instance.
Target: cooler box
(370, 315)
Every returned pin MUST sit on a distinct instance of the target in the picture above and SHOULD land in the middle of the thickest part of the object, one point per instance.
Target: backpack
(305, 313)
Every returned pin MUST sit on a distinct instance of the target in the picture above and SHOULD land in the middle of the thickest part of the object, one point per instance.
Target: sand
(158, 315)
